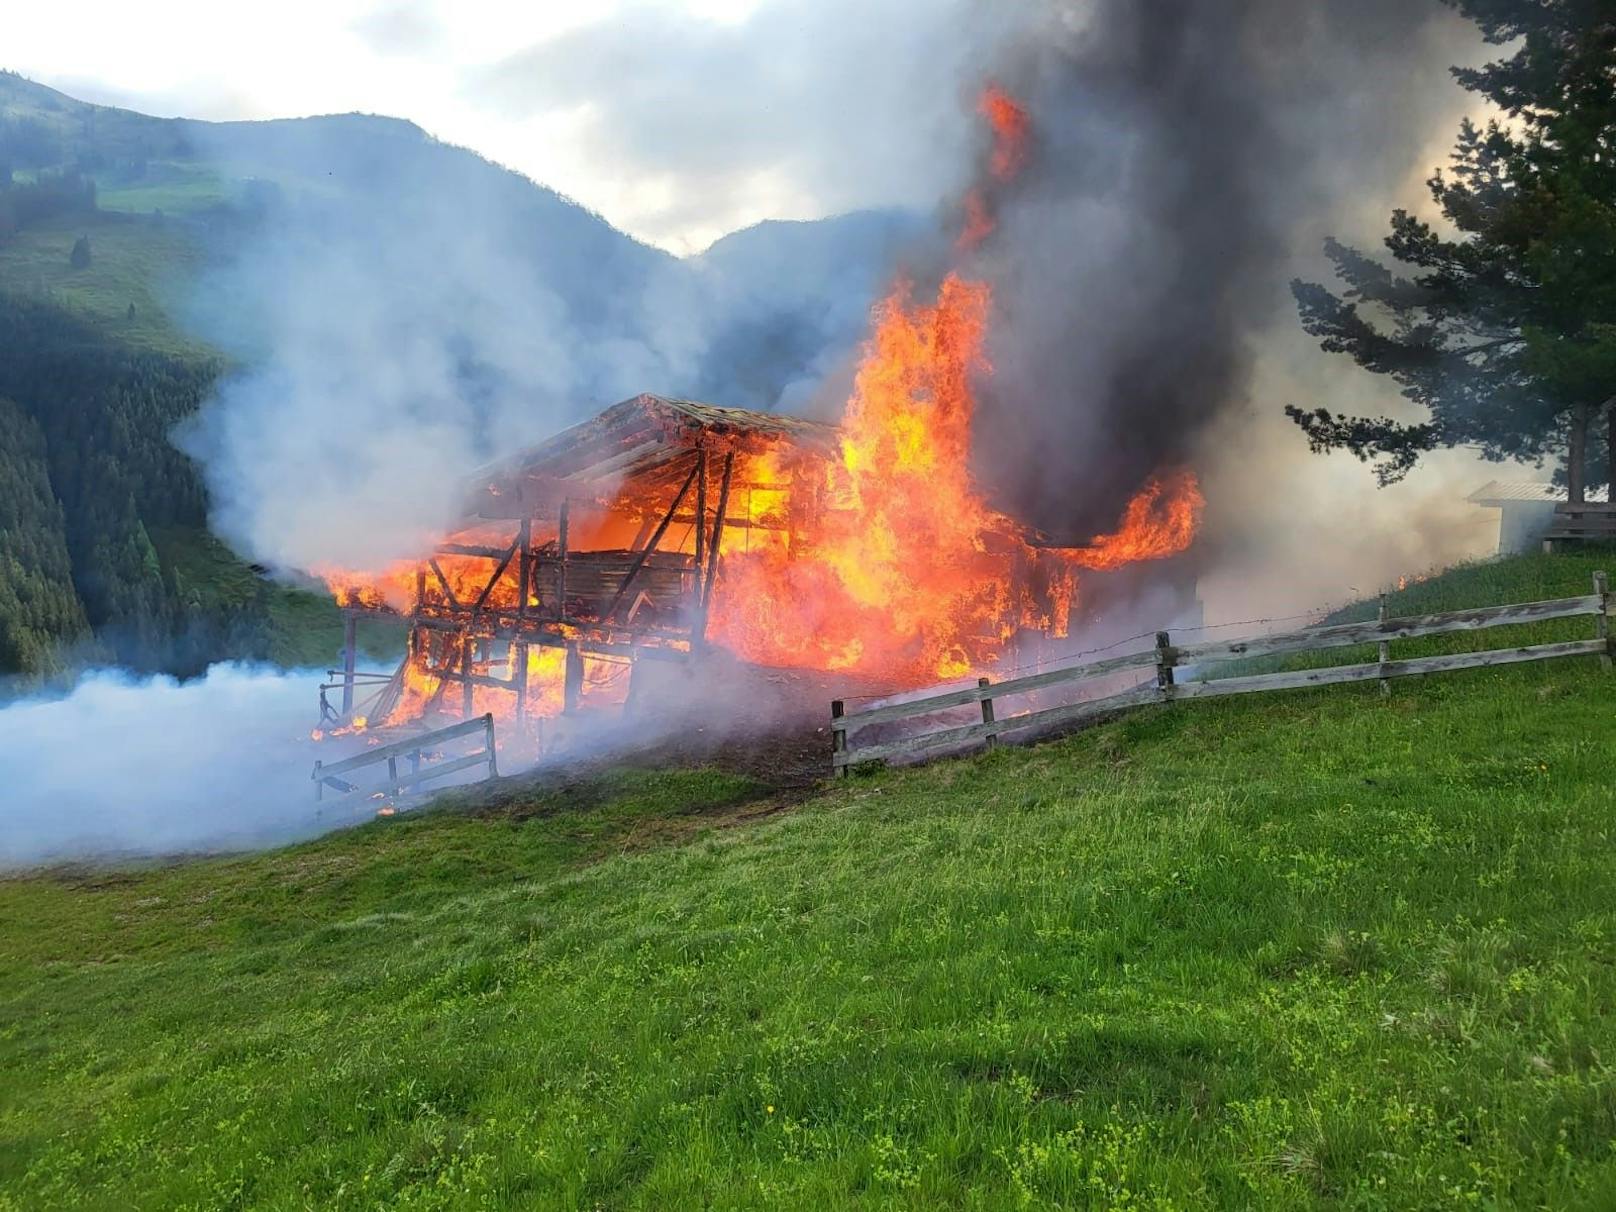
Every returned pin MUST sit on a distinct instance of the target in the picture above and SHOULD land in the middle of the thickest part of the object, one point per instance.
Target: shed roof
(637, 438)
(1498, 493)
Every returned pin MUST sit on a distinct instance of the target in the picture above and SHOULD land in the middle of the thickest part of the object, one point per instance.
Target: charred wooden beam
(499, 571)
(350, 626)
(443, 580)
(524, 576)
(662, 527)
(572, 680)
(519, 676)
(704, 597)
(561, 575)
(701, 504)
(718, 534)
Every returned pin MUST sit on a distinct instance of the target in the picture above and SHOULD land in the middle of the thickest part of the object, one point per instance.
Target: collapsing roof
(636, 439)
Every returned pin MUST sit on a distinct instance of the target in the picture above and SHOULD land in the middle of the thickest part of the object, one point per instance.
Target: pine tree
(1506, 331)
(79, 258)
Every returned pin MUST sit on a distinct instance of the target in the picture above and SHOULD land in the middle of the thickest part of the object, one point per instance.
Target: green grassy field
(172, 187)
(1316, 949)
(135, 261)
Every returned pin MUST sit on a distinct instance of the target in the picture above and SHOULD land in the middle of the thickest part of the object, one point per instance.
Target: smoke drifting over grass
(123, 766)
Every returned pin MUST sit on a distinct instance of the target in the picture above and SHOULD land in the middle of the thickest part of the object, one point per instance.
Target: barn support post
(524, 568)
(701, 513)
(519, 676)
(561, 553)
(524, 589)
(572, 686)
(704, 598)
(1385, 649)
(350, 633)
(467, 649)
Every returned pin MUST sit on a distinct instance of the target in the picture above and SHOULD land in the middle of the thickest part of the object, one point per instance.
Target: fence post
(319, 783)
(493, 764)
(838, 738)
(987, 711)
(1385, 650)
(1602, 588)
(1166, 659)
(350, 644)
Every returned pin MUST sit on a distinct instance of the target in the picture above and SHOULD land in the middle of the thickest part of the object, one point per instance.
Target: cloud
(408, 27)
(803, 107)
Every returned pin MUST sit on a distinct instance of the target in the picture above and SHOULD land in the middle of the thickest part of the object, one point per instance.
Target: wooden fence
(1171, 672)
(420, 752)
(1587, 521)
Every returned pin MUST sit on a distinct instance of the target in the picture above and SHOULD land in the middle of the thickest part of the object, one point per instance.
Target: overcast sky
(679, 120)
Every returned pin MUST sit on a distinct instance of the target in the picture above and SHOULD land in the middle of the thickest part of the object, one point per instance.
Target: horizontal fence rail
(420, 752)
(1180, 672)
(1581, 522)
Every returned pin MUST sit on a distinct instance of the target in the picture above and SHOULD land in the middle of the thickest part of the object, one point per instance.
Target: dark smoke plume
(1188, 153)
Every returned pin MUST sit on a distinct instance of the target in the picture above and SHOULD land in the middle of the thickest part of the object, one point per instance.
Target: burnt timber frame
(470, 626)
(590, 603)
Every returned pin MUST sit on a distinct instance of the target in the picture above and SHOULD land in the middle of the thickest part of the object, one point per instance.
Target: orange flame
(1160, 521)
(979, 222)
(882, 558)
(1012, 132)
(914, 575)
(1011, 129)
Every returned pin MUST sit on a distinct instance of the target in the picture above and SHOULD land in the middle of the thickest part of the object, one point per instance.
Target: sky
(719, 113)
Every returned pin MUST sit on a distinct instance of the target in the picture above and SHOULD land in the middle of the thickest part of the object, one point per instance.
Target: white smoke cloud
(434, 314)
(798, 109)
(122, 766)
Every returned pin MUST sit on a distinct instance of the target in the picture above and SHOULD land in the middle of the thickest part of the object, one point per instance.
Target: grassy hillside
(143, 264)
(1320, 949)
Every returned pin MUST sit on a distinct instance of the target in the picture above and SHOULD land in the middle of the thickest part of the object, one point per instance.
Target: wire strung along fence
(1171, 672)
(421, 751)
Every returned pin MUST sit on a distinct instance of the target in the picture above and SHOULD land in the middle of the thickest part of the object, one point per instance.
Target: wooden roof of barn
(640, 439)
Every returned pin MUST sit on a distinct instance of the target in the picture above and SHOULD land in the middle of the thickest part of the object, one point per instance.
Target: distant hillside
(799, 295)
(166, 251)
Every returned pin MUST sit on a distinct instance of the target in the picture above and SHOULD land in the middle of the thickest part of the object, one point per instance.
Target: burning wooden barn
(665, 529)
(579, 557)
